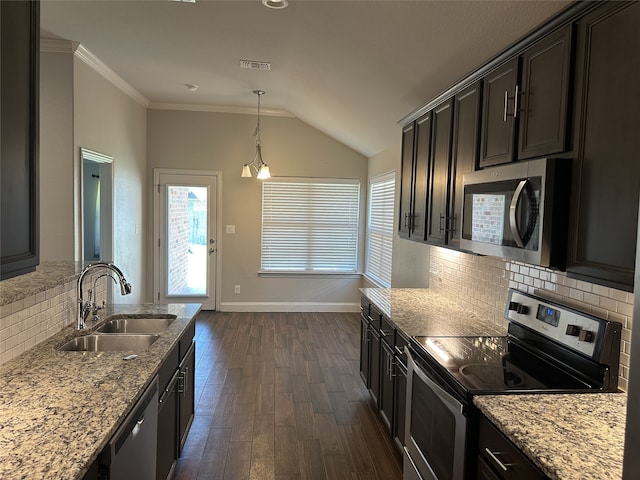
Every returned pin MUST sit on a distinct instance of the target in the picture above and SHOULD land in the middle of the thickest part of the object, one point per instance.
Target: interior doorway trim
(157, 274)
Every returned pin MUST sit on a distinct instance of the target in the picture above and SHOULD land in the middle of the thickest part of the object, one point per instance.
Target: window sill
(301, 274)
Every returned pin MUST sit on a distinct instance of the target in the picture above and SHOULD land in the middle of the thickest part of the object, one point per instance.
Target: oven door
(436, 429)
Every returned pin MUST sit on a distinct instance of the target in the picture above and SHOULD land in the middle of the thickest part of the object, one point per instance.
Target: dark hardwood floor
(279, 396)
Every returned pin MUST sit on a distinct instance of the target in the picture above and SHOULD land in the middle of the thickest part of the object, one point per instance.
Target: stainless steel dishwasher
(131, 452)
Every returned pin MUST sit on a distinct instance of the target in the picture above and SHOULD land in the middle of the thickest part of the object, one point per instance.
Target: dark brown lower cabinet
(385, 400)
(176, 404)
(167, 453)
(500, 459)
(186, 394)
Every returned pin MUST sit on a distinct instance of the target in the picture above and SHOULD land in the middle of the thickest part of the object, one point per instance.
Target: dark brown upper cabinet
(439, 165)
(464, 153)
(19, 63)
(406, 182)
(416, 144)
(498, 123)
(606, 174)
(526, 103)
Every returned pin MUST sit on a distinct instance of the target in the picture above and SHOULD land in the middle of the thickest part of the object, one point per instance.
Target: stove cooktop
(486, 365)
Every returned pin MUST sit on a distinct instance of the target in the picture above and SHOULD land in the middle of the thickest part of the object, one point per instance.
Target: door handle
(513, 222)
(211, 250)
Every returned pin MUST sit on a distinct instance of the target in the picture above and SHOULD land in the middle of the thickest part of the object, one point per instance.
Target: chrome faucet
(85, 307)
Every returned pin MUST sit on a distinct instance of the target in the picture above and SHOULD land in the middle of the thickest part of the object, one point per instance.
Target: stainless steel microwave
(518, 211)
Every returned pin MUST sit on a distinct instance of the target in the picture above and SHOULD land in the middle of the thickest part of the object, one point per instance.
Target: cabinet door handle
(496, 460)
(506, 101)
(515, 103)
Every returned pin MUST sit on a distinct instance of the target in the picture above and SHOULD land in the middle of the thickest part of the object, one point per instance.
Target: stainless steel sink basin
(109, 343)
(137, 325)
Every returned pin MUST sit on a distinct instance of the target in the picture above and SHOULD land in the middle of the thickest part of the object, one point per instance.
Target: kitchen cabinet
(387, 361)
(176, 403)
(606, 170)
(498, 127)
(416, 145)
(374, 359)
(400, 391)
(384, 359)
(464, 154)
(19, 62)
(500, 459)
(186, 394)
(365, 347)
(526, 103)
(439, 162)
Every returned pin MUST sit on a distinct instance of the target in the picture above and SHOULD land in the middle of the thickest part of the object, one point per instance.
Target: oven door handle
(442, 394)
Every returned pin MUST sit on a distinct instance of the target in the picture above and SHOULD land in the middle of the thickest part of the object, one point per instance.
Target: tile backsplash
(480, 284)
(33, 319)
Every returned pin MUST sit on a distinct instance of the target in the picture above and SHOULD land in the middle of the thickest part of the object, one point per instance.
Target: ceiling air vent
(254, 65)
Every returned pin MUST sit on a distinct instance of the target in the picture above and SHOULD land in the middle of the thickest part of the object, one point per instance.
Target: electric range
(549, 348)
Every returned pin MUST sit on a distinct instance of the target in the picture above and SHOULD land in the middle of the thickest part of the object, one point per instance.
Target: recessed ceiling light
(191, 87)
(277, 4)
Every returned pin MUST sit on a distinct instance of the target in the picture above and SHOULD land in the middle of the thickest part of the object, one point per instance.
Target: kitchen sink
(137, 325)
(109, 343)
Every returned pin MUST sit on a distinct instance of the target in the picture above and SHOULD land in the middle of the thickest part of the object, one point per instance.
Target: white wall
(410, 259)
(56, 156)
(108, 121)
(224, 142)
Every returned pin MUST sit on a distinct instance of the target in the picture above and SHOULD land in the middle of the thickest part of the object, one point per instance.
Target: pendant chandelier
(261, 168)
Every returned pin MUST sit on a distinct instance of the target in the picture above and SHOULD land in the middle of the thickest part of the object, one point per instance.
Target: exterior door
(186, 237)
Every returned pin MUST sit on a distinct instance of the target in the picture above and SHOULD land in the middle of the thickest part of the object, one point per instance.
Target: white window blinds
(380, 227)
(310, 225)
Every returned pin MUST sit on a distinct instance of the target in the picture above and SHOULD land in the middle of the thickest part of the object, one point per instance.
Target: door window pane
(187, 240)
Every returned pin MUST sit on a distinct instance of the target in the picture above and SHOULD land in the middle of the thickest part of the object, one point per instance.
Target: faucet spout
(84, 307)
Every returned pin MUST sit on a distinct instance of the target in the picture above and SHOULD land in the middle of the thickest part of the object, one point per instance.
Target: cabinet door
(606, 170)
(167, 446)
(498, 124)
(421, 182)
(19, 231)
(464, 155)
(542, 120)
(365, 350)
(186, 391)
(406, 181)
(386, 384)
(442, 117)
(400, 404)
(485, 472)
(374, 366)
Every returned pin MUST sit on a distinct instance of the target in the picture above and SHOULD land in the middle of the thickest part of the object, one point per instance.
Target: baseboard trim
(288, 307)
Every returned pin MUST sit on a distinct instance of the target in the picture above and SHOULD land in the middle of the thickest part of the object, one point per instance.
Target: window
(310, 225)
(380, 228)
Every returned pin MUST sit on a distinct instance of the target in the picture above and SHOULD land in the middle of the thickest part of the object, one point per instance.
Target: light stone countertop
(59, 409)
(421, 312)
(47, 275)
(569, 437)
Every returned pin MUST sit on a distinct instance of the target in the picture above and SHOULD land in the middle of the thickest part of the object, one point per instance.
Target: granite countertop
(59, 409)
(47, 275)
(569, 437)
(421, 312)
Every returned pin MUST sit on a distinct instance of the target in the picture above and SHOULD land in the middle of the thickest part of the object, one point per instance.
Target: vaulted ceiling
(351, 69)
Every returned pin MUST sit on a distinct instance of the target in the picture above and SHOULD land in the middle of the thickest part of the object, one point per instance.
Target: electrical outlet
(236, 289)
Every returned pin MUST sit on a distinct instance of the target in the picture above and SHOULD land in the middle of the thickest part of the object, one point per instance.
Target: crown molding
(57, 45)
(271, 112)
(85, 55)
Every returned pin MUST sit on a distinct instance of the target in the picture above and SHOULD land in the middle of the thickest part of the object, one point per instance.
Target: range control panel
(577, 330)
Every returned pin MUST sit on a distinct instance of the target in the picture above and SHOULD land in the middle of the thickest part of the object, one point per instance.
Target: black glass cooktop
(484, 365)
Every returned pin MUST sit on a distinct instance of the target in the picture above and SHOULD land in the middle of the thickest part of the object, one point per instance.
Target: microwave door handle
(513, 222)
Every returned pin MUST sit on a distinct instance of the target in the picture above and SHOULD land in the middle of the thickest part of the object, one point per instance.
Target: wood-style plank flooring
(279, 396)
